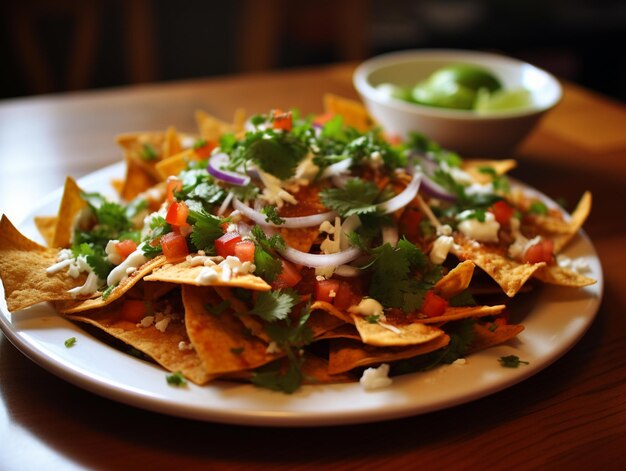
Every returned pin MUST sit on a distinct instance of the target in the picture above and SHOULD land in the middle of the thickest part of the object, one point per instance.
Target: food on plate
(461, 87)
(286, 250)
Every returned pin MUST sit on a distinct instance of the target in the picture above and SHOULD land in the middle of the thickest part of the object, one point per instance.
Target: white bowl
(468, 132)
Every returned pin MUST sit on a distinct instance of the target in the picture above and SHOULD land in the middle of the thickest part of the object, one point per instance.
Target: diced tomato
(133, 310)
(344, 298)
(177, 214)
(282, 120)
(326, 290)
(502, 211)
(225, 245)
(174, 246)
(204, 151)
(125, 247)
(244, 250)
(409, 223)
(434, 305)
(173, 185)
(543, 251)
(289, 277)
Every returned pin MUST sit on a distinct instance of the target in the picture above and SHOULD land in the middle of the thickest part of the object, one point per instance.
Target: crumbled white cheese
(207, 276)
(440, 249)
(161, 324)
(113, 255)
(232, 266)
(486, 231)
(183, 346)
(147, 321)
(376, 378)
(368, 307)
(330, 245)
(444, 229)
(459, 362)
(579, 265)
(520, 244)
(273, 347)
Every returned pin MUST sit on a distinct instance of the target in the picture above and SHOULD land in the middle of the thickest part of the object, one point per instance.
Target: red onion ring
(214, 168)
(402, 199)
(290, 223)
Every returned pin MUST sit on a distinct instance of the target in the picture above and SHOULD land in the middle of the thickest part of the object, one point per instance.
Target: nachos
(286, 250)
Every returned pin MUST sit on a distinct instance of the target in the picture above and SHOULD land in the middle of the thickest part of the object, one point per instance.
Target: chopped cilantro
(206, 229)
(275, 305)
(268, 265)
(200, 142)
(95, 257)
(108, 291)
(373, 319)
(356, 197)
(512, 361)
(148, 152)
(271, 215)
(538, 207)
(176, 379)
(464, 298)
(217, 309)
(69, 343)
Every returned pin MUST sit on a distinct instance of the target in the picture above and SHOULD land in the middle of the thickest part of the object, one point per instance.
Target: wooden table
(571, 415)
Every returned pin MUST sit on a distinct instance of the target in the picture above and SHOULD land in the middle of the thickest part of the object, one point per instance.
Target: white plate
(555, 319)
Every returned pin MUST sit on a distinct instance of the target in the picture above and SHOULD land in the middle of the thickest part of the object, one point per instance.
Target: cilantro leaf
(275, 305)
(70, 342)
(276, 153)
(512, 361)
(272, 376)
(271, 215)
(148, 152)
(206, 229)
(176, 379)
(538, 207)
(356, 197)
(95, 258)
(268, 265)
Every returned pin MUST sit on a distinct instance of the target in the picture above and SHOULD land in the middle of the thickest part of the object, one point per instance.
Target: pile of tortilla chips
(208, 331)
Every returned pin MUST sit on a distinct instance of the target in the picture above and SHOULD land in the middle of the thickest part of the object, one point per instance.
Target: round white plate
(555, 319)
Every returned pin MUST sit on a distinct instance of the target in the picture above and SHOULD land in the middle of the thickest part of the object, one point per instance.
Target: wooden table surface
(571, 415)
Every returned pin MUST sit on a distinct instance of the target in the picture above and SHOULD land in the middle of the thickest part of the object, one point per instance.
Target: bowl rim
(365, 89)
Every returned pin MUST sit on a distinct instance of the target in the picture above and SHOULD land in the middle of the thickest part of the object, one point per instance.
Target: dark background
(60, 45)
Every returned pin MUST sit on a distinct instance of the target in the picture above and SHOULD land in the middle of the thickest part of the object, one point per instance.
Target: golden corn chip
(499, 167)
(71, 307)
(509, 274)
(346, 355)
(353, 112)
(162, 346)
(456, 280)
(381, 334)
(332, 310)
(137, 180)
(561, 276)
(300, 239)
(456, 313)
(577, 219)
(252, 323)
(239, 120)
(344, 331)
(46, 225)
(212, 128)
(186, 273)
(72, 204)
(321, 322)
(175, 164)
(220, 339)
(171, 144)
(23, 266)
(315, 371)
(484, 337)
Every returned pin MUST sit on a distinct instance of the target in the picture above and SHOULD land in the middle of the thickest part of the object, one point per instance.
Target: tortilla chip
(46, 225)
(346, 355)
(239, 120)
(187, 274)
(577, 219)
(499, 167)
(163, 347)
(252, 322)
(72, 203)
(456, 313)
(171, 145)
(137, 180)
(212, 128)
(315, 371)
(176, 163)
(320, 322)
(456, 280)
(353, 112)
(509, 274)
(344, 331)
(23, 265)
(221, 340)
(561, 276)
(71, 307)
(381, 334)
(300, 239)
(484, 338)
(332, 310)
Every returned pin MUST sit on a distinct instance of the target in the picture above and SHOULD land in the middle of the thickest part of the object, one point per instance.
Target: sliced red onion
(348, 271)
(402, 199)
(320, 260)
(435, 190)
(337, 168)
(290, 223)
(216, 163)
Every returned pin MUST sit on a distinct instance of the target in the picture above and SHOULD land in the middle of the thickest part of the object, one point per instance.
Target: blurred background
(50, 46)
